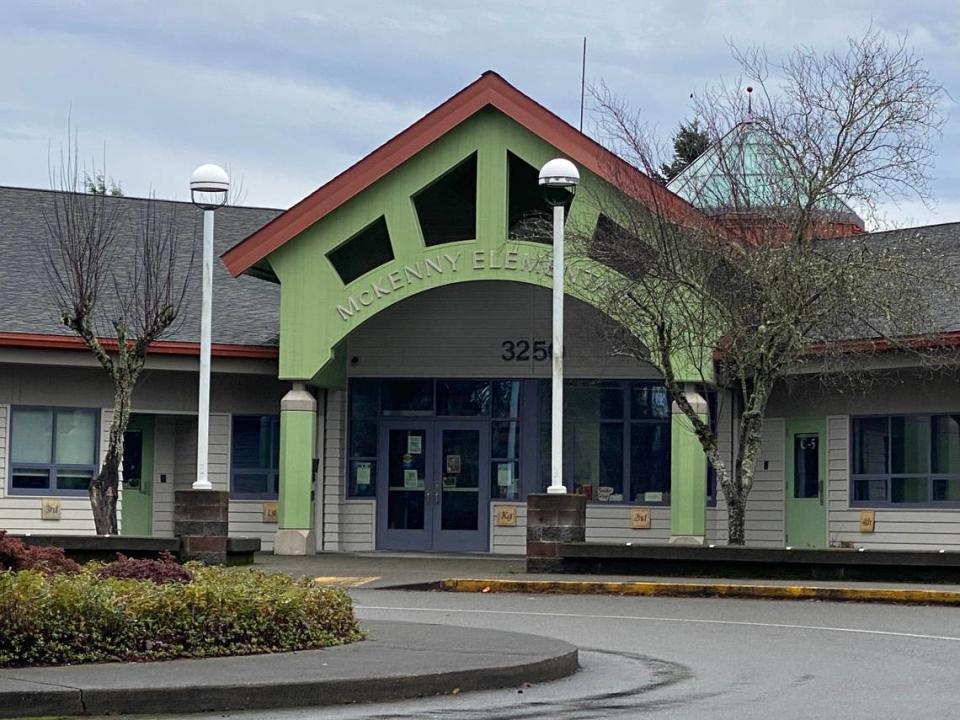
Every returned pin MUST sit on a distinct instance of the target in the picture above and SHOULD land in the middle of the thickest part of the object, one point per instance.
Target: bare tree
(119, 273)
(774, 281)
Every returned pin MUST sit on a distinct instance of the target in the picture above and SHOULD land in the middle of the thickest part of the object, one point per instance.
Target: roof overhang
(40, 341)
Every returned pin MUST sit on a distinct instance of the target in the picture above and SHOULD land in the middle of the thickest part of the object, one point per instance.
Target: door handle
(820, 490)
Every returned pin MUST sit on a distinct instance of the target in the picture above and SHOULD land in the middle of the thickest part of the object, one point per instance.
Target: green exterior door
(137, 508)
(805, 515)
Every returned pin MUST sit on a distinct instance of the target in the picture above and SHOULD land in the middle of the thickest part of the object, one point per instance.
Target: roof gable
(490, 90)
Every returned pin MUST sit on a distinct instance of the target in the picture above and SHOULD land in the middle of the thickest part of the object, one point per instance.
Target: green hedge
(83, 618)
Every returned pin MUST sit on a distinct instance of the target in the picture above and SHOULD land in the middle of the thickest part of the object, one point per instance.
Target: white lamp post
(208, 191)
(558, 182)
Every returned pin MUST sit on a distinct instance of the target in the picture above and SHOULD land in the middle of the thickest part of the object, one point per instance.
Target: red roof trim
(492, 90)
(949, 339)
(40, 341)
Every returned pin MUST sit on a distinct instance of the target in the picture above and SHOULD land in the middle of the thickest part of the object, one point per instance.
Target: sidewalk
(398, 660)
(487, 573)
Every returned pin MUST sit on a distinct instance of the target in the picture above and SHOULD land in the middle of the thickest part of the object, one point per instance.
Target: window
(438, 404)
(529, 215)
(364, 429)
(53, 450)
(368, 249)
(447, 208)
(905, 460)
(616, 439)
(505, 440)
(255, 457)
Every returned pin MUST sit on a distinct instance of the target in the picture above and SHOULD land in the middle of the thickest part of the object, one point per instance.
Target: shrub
(15, 555)
(85, 617)
(164, 570)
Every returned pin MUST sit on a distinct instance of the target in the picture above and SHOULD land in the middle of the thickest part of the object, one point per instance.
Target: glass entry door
(433, 486)
(463, 492)
(404, 487)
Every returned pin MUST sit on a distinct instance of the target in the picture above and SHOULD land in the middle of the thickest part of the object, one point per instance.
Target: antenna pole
(583, 79)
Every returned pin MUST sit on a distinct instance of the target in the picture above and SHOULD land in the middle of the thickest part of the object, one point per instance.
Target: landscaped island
(54, 611)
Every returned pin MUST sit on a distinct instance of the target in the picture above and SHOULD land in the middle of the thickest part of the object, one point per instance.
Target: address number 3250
(522, 350)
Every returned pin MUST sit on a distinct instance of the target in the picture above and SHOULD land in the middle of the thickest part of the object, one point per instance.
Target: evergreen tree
(688, 144)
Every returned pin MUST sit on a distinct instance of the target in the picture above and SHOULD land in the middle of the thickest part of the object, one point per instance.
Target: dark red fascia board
(40, 341)
(490, 90)
(916, 342)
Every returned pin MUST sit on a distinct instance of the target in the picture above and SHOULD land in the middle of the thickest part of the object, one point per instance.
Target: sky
(289, 93)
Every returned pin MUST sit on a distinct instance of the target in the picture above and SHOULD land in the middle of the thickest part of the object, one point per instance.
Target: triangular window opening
(447, 208)
(368, 249)
(529, 215)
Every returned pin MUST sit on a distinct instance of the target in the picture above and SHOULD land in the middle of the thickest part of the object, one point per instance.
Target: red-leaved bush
(15, 555)
(164, 570)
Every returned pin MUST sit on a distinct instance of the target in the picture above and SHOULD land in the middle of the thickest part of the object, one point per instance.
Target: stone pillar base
(688, 540)
(551, 521)
(201, 521)
(294, 542)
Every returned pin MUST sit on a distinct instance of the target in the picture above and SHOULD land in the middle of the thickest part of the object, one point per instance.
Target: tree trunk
(105, 487)
(736, 525)
(104, 491)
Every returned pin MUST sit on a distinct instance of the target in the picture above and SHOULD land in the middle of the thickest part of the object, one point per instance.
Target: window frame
(889, 476)
(273, 474)
(626, 422)
(52, 466)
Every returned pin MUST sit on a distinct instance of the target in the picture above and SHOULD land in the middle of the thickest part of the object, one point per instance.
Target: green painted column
(298, 417)
(688, 475)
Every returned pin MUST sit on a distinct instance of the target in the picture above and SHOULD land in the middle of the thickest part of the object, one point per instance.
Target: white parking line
(642, 618)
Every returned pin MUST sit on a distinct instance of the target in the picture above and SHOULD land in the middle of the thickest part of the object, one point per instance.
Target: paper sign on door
(363, 473)
(454, 464)
(415, 444)
(411, 479)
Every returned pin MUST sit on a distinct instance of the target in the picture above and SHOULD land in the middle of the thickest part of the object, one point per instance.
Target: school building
(381, 368)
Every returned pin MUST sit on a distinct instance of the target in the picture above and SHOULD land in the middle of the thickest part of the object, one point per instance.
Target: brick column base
(201, 521)
(551, 521)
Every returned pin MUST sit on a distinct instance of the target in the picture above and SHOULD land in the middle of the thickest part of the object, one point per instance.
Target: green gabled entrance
(457, 209)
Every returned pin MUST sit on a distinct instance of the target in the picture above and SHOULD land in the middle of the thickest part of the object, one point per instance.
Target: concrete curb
(900, 596)
(403, 660)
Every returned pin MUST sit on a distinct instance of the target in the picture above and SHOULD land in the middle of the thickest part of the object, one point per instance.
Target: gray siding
(717, 515)
(333, 473)
(509, 540)
(358, 526)
(764, 516)
(764, 519)
(164, 460)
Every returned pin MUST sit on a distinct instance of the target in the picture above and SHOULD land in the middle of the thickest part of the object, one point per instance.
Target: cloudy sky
(288, 93)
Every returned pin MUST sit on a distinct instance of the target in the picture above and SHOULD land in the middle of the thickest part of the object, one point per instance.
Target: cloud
(292, 92)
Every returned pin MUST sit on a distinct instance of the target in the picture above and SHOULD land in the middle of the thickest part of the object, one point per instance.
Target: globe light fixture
(558, 182)
(209, 185)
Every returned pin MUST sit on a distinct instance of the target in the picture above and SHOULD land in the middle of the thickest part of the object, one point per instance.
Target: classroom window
(255, 457)
(53, 450)
(908, 460)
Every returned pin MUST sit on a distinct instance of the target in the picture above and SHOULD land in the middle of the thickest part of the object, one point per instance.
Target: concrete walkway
(398, 660)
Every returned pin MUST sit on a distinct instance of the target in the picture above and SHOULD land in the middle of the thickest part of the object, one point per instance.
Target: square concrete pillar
(298, 416)
(201, 521)
(551, 521)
